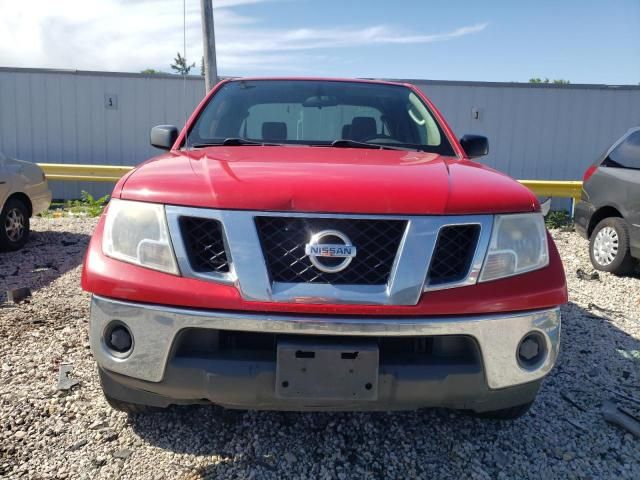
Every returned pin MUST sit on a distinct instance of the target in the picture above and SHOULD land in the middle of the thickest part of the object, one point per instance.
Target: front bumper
(160, 377)
(41, 203)
(40, 197)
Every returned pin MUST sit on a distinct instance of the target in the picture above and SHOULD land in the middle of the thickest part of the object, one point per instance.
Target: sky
(580, 41)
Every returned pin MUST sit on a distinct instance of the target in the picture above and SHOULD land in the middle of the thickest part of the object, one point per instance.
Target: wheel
(127, 407)
(609, 247)
(510, 413)
(130, 408)
(14, 225)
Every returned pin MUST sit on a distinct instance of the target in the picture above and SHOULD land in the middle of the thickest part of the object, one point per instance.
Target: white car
(24, 192)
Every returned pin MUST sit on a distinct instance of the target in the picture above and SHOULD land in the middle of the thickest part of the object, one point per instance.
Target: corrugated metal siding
(535, 131)
(60, 117)
(539, 132)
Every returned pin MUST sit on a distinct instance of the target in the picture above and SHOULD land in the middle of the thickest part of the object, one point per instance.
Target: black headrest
(363, 128)
(346, 130)
(274, 131)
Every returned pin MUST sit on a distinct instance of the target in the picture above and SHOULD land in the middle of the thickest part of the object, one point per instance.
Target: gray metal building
(536, 131)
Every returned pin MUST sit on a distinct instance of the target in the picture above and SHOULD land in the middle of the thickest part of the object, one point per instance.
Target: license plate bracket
(317, 370)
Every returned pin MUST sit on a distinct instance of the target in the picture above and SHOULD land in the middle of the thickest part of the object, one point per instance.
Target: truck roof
(324, 79)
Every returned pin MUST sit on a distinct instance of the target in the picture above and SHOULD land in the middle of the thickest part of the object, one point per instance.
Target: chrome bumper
(155, 327)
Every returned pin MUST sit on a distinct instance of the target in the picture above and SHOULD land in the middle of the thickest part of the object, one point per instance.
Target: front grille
(453, 253)
(204, 244)
(283, 242)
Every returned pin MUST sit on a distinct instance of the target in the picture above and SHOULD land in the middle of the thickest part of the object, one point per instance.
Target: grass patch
(86, 206)
(558, 219)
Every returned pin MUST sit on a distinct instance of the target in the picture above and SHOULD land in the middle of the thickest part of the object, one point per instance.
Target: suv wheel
(609, 247)
(131, 408)
(510, 413)
(127, 407)
(14, 225)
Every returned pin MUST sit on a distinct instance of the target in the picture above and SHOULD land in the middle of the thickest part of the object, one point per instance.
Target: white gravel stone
(75, 435)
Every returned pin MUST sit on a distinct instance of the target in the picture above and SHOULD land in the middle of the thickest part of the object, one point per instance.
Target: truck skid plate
(314, 370)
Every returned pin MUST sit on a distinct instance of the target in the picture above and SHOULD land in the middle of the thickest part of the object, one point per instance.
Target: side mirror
(163, 136)
(475, 145)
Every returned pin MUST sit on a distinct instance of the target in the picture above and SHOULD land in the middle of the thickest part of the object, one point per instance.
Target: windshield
(318, 113)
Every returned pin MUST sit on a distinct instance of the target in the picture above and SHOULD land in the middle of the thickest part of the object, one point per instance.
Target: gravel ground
(49, 434)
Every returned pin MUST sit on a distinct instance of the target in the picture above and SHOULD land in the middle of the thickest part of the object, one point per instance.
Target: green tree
(150, 71)
(180, 65)
(558, 81)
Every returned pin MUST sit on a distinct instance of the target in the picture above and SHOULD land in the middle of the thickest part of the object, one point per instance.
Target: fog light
(118, 338)
(532, 350)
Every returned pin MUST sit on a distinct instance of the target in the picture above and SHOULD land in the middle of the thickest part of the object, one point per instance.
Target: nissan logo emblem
(338, 246)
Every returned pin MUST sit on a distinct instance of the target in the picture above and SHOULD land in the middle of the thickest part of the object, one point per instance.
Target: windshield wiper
(341, 143)
(344, 143)
(233, 142)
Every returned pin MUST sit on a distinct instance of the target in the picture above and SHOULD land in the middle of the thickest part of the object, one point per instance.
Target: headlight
(136, 232)
(518, 245)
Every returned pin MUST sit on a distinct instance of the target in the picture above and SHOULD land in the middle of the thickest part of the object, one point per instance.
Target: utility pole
(209, 41)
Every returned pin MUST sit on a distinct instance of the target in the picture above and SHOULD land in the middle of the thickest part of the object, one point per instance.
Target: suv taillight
(590, 171)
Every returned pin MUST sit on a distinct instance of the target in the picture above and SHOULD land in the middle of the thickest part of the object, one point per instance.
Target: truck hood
(325, 179)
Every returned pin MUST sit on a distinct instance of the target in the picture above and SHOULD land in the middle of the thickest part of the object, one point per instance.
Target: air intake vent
(204, 244)
(453, 254)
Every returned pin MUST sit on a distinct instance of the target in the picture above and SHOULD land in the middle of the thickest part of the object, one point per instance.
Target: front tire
(609, 247)
(14, 225)
(130, 408)
(510, 413)
(121, 405)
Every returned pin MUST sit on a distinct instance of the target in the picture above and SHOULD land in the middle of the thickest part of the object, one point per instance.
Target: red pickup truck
(314, 244)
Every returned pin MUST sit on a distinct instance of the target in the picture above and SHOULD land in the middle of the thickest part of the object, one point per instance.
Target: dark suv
(609, 212)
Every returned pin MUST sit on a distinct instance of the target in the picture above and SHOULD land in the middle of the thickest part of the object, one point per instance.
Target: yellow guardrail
(112, 173)
(83, 173)
(555, 188)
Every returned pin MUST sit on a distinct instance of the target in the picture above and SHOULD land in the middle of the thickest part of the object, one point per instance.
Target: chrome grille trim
(248, 270)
